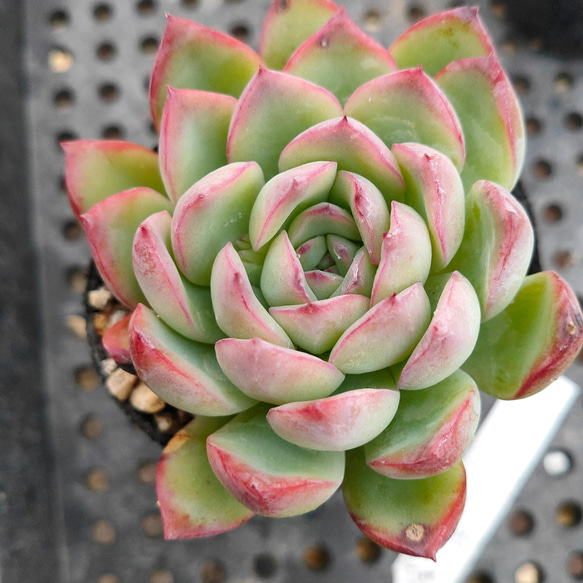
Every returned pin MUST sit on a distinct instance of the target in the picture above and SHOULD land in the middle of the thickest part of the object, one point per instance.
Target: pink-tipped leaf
(430, 432)
(282, 277)
(436, 192)
(407, 106)
(238, 311)
(491, 118)
(274, 108)
(183, 306)
(497, 246)
(288, 24)
(96, 169)
(405, 253)
(531, 342)
(354, 147)
(322, 219)
(360, 276)
(368, 207)
(323, 283)
(193, 503)
(317, 326)
(110, 226)
(340, 57)
(441, 38)
(285, 196)
(211, 213)
(385, 335)
(183, 373)
(267, 474)
(193, 137)
(274, 374)
(415, 517)
(192, 56)
(449, 339)
(337, 423)
(116, 341)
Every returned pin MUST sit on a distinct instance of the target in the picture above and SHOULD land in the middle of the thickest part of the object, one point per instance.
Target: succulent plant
(324, 263)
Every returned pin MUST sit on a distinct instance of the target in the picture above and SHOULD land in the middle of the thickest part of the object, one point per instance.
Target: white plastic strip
(505, 451)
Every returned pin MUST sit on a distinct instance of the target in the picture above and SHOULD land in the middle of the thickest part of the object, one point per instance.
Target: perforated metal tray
(87, 68)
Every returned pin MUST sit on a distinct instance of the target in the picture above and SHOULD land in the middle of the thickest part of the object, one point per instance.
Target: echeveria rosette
(324, 264)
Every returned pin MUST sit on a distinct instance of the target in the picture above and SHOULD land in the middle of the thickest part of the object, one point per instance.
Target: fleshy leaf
(288, 24)
(285, 196)
(211, 213)
(96, 169)
(450, 338)
(340, 57)
(185, 374)
(116, 341)
(359, 278)
(436, 192)
(110, 226)
(192, 56)
(322, 219)
(337, 423)
(183, 306)
(342, 252)
(317, 326)
(312, 252)
(193, 503)
(273, 374)
(407, 106)
(437, 40)
(323, 283)
(530, 343)
(430, 432)
(385, 335)
(274, 108)
(368, 206)
(282, 278)
(497, 246)
(193, 137)
(268, 474)
(415, 517)
(238, 311)
(405, 253)
(491, 118)
(354, 147)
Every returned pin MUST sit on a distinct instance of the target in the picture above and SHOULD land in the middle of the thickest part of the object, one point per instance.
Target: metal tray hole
(521, 523)
(416, 12)
(103, 532)
(564, 259)
(213, 572)
(149, 45)
(373, 20)
(241, 31)
(480, 577)
(59, 19)
(106, 51)
(113, 132)
(108, 92)
(574, 121)
(60, 59)
(367, 550)
(264, 565)
(553, 213)
(533, 126)
(542, 169)
(146, 7)
(563, 82)
(63, 99)
(316, 558)
(92, 427)
(161, 576)
(152, 525)
(102, 12)
(97, 480)
(575, 565)
(147, 473)
(529, 573)
(557, 463)
(568, 514)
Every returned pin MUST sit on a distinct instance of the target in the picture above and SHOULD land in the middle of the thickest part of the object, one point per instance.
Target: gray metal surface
(87, 71)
